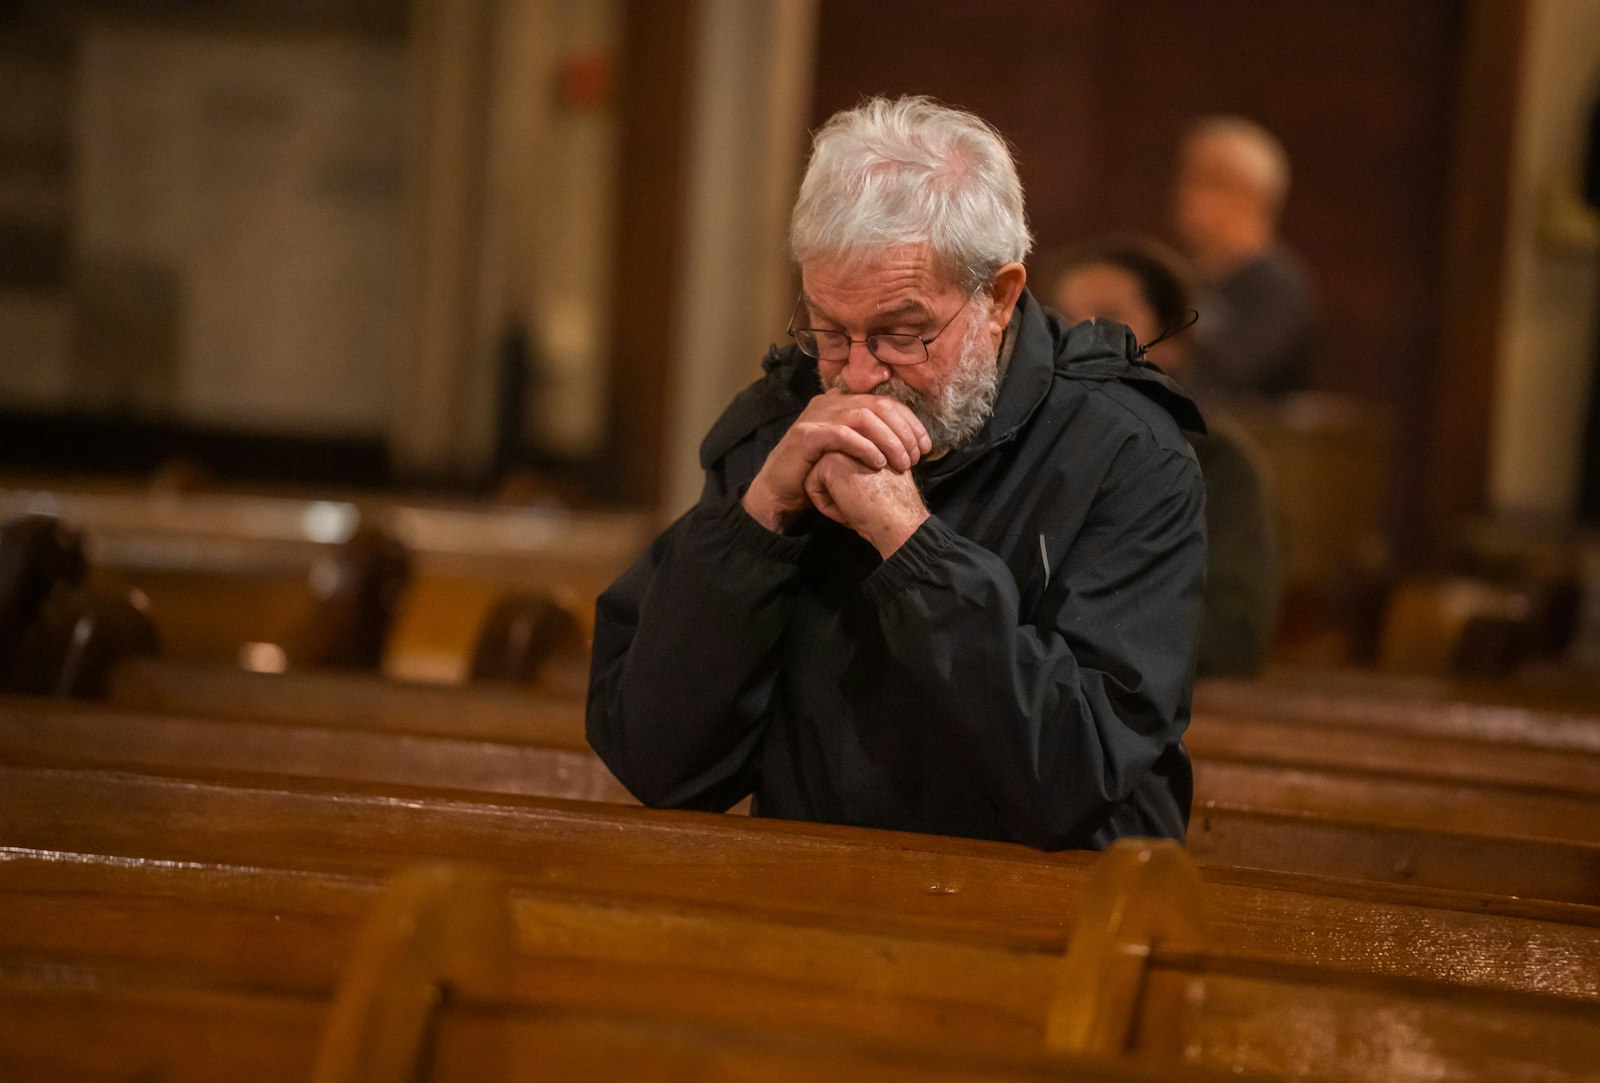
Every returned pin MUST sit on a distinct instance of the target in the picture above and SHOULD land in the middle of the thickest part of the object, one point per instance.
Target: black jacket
(1020, 669)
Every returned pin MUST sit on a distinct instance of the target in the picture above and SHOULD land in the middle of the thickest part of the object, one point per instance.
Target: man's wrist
(888, 539)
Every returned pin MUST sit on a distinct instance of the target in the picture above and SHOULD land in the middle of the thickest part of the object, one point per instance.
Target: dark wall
(1094, 93)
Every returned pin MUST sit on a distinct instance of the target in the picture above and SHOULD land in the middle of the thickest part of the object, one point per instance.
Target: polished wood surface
(1140, 897)
(511, 763)
(1419, 707)
(1403, 798)
(811, 874)
(190, 1036)
(1369, 827)
(1350, 1027)
(437, 933)
(1235, 723)
(1292, 743)
(1129, 938)
(481, 712)
(443, 929)
(1269, 799)
(1485, 866)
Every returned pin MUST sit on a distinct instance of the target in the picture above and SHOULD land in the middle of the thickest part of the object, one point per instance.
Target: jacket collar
(1028, 376)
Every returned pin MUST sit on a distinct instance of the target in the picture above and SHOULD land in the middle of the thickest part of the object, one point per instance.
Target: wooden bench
(538, 761)
(1293, 743)
(1402, 795)
(436, 953)
(492, 711)
(1553, 785)
(208, 562)
(1478, 837)
(1485, 866)
(992, 891)
(1136, 976)
(1414, 707)
(486, 712)
(184, 1036)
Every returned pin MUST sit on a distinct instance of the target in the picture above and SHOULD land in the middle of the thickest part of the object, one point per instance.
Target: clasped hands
(850, 457)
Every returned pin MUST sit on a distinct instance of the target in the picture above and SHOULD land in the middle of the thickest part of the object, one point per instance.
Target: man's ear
(1006, 288)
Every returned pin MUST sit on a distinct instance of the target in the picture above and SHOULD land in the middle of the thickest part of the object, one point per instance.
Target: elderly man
(1257, 326)
(945, 572)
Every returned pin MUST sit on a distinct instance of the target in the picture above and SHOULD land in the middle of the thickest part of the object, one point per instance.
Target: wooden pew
(996, 893)
(1402, 796)
(436, 950)
(1136, 976)
(1513, 840)
(1358, 726)
(1481, 866)
(1294, 743)
(486, 712)
(1421, 708)
(540, 760)
(733, 970)
(266, 603)
(495, 712)
(286, 932)
(191, 1037)
(1455, 625)
(206, 560)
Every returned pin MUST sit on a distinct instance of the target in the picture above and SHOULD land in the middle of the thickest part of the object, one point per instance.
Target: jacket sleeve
(1063, 716)
(685, 662)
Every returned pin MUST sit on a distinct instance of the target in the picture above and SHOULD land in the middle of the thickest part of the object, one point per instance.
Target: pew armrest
(436, 932)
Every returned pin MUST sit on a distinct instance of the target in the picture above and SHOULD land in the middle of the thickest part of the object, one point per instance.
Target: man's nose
(862, 371)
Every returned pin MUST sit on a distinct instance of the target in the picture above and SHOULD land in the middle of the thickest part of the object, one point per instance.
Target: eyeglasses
(895, 350)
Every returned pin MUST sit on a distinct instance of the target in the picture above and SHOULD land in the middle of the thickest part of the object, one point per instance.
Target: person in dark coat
(945, 572)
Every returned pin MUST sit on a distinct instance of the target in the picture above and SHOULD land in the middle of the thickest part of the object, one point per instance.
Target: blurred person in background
(1257, 328)
(1141, 285)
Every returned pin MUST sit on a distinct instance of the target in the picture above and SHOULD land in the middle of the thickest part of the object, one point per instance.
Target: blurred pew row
(270, 583)
(1505, 594)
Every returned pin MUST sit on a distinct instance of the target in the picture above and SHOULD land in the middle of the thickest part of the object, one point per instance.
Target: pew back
(1508, 840)
(894, 880)
(1134, 978)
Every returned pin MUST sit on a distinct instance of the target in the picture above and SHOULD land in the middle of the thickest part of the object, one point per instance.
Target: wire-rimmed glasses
(895, 350)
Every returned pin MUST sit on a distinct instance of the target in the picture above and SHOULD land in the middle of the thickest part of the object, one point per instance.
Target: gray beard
(956, 412)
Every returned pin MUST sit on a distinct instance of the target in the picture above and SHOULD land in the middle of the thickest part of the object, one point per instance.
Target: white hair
(912, 171)
(1256, 152)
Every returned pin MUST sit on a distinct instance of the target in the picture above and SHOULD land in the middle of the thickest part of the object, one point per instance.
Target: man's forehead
(898, 282)
(896, 306)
